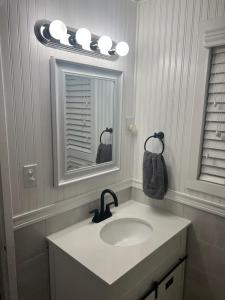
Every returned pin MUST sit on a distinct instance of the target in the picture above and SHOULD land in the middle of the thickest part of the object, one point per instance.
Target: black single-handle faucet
(104, 213)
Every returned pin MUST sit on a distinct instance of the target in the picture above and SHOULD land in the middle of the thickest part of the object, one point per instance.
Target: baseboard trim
(189, 200)
(49, 211)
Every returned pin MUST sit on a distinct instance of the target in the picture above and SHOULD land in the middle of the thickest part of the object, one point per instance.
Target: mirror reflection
(88, 120)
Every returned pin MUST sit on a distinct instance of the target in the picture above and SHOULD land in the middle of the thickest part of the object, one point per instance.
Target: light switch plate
(30, 176)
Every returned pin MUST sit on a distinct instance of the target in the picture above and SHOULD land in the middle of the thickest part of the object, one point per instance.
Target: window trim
(211, 34)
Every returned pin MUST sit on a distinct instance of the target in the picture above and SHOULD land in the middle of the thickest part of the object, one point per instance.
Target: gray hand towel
(155, 179)
(104, 153)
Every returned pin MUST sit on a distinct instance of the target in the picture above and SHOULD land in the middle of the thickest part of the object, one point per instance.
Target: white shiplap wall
(166, 70)
(27, 89)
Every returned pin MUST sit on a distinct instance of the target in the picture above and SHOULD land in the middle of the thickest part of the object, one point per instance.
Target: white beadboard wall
(166, 71)
(27, 90)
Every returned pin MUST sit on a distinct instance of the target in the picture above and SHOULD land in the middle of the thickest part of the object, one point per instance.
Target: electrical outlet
(30, 176)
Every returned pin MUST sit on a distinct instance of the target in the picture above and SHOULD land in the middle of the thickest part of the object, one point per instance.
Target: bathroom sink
(133, 234)
(126, 232)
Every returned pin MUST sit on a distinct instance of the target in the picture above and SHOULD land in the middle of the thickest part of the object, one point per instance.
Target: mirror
(86, 108)
(88, 119)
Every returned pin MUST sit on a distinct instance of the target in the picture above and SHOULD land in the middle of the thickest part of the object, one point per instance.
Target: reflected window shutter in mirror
(213, 150)
(79, 121)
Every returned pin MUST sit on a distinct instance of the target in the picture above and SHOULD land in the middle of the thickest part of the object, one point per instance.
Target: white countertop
(82, 240)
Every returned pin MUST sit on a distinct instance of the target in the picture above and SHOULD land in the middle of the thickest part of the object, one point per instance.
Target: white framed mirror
(86, 120)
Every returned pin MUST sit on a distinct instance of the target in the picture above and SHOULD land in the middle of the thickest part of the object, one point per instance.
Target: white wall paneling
(7, 250)
(166, 61)
(166, 69)
(167, 48)
(27, 90)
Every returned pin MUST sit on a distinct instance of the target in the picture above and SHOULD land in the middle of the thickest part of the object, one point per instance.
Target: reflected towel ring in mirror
(160, 136)
(110, 130)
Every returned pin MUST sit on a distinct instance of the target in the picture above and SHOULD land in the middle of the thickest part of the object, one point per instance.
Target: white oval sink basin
(126, 232)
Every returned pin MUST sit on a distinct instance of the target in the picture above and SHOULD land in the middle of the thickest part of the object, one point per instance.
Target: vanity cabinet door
(172, 286)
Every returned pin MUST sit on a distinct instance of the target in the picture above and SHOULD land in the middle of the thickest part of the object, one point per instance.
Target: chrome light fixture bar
(56, 34)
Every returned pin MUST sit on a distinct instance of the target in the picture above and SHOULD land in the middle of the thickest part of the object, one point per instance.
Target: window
(79, 121)
(207, 156)
(213, 145)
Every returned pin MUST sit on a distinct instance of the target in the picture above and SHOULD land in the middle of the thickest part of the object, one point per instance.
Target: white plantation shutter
(78, 121)
(213, 147)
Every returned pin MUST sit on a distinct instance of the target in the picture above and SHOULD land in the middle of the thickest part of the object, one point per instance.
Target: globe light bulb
(122, 48)
(83, 37)
(57, 29)
(104, 44)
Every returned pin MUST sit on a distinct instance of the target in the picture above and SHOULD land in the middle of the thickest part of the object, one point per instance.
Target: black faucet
(104, 213)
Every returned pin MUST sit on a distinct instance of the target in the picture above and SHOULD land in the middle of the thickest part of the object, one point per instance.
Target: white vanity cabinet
(83, 267)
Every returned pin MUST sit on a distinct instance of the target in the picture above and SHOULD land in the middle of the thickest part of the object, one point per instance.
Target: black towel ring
(110, 130)
(160, 136)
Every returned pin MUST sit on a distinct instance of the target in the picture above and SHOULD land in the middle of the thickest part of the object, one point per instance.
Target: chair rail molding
(49, 211)
(189, 200)
(56, 208)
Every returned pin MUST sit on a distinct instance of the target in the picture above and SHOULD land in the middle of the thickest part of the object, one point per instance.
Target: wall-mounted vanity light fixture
(56, 34)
